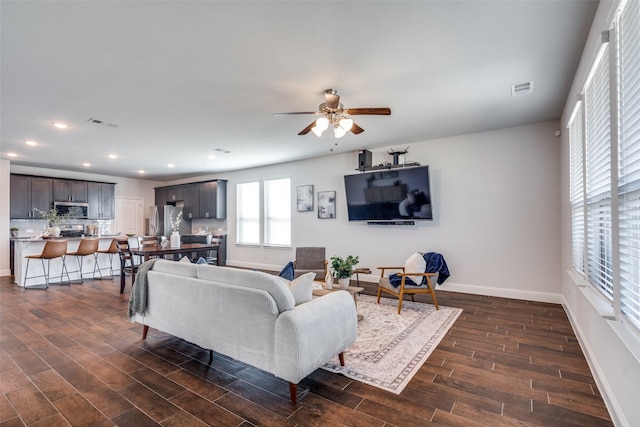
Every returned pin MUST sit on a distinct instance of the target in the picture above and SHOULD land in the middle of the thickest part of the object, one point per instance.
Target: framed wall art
(326, 204)
(304, 198)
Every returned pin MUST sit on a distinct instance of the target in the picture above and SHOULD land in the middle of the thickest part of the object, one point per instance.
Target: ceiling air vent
(522, 88)
(102, 123)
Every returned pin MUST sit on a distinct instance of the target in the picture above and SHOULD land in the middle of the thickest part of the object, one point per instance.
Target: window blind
(576, 183)
(248, 215)
(598, 176)
(277, 212)
(629, 160)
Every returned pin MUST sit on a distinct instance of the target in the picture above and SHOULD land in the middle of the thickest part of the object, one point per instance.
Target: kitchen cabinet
(161, 196)
(66, 190)
(213, 199)
(101, 197)
(174, 193)
(191, 208)
(28, 193)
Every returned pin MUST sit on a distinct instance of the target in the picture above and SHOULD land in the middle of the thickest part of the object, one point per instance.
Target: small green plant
(53, 217)
(13, 229)
(343, 267)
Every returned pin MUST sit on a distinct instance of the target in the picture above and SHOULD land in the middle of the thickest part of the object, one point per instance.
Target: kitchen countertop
(37, 238)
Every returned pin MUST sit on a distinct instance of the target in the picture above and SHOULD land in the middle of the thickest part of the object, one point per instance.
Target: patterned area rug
(390, 348)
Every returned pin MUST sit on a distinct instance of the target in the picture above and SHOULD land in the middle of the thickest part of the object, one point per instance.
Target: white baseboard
(6, 272)
(502, 292)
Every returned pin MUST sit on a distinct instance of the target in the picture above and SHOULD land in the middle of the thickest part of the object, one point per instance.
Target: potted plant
(54, 220)
(14, 231)
(343, 269)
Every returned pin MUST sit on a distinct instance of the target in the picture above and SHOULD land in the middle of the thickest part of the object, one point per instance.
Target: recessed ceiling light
(60, 125)
(86, 165)
(30, 142)
(141, 172)
(170, 165)
(211, 156)
(12, 154)
(113, 156)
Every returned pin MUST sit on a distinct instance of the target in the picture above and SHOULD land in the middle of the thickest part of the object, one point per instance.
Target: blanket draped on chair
(435, 264)
(138, 299)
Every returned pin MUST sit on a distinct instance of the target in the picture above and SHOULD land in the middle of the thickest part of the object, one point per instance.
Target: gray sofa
(249, 316)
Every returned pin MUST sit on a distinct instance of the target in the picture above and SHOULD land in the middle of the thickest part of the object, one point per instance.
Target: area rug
(391, 347)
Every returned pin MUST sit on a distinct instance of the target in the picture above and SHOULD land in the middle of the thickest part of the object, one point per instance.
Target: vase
(328, 280)
(344, 282)
(175, 239)
(14, 233)
(54, 231)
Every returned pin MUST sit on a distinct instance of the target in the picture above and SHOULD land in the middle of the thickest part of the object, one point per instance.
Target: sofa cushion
(301, 288)
(172, 267)
(273, 285)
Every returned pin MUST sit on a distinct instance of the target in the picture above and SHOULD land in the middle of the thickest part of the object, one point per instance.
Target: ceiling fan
(332, 113)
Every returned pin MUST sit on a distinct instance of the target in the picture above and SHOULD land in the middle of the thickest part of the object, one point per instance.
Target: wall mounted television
(389, 194)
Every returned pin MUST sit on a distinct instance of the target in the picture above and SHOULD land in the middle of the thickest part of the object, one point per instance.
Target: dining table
(192, 250)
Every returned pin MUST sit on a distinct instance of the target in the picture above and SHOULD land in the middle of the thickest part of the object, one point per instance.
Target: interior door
(130, 215)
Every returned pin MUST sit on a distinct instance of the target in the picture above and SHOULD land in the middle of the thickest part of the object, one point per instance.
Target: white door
(129, 215)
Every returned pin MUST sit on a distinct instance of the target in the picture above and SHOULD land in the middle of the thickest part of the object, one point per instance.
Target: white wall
(496, 197)
(612, 351)
(5, 269)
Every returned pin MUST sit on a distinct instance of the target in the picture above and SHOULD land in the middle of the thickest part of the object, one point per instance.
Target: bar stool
(85, 248)
(110, 252)
(52, 249)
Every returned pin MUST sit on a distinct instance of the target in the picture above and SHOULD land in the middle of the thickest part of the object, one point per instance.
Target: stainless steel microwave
(74, 209)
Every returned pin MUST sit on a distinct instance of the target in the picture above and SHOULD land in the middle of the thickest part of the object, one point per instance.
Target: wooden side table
(358, 271)
(353, 290)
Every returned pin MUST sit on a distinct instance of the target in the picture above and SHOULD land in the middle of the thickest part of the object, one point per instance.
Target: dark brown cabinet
(213, 199)
(174, 193)
(191, 208)
(101, 197)
(28, 193)
(161, 196)
(66, 190)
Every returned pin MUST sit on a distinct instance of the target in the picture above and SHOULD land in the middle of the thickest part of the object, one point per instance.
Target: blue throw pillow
(201, 261)
(288, 271)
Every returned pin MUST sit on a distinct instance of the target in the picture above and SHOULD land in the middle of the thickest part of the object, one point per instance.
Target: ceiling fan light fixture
(322, 124)
(345, 123)
(339, 131)
(317, 131)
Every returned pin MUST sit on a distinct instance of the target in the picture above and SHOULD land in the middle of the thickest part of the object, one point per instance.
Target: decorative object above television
(392, 194)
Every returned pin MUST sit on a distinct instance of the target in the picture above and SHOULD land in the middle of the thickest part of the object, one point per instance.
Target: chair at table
(311, 259)
(128, 264)
(87, 247)
(384, 285)
(145, 241)
(52, 249)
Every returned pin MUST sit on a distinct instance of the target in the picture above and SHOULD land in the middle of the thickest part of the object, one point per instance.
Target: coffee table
(353, 290)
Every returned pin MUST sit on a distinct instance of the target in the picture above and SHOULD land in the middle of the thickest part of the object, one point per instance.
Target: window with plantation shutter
(277, 212)
(577, 187)
(628, 27)
(248, 213)
(598, 176)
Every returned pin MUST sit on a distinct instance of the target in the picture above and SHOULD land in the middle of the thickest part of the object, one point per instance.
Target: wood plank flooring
(69, 356)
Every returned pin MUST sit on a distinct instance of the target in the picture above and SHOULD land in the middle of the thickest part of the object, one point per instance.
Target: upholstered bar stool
(110, 252)
(87, 247)
(52, 249)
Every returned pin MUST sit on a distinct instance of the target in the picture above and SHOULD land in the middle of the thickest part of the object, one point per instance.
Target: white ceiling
(181, 79)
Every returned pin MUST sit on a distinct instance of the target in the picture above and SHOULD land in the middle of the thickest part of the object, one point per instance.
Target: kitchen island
(33, 246)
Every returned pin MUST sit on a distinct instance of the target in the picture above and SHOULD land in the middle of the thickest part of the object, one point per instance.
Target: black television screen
(389, 194)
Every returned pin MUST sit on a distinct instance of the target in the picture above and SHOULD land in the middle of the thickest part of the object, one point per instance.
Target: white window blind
(576, 183)
(277, 212)
(248, 216)
(598, 176)
(629, 160)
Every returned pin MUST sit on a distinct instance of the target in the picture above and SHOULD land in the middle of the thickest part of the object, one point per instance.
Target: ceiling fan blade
(355, 129)
(294, 113)
(307, 129)
(331, 99)
(368, 111)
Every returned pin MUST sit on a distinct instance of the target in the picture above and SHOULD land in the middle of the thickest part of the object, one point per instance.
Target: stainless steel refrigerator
(160, 221)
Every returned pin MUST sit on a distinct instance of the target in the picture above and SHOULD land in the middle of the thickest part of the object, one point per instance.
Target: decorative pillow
(201, 261)
(288, 272)
(415, 264)
(185, 259)
(301, 287)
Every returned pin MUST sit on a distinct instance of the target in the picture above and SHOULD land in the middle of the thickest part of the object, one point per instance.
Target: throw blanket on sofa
(435, 264)
(138, 299)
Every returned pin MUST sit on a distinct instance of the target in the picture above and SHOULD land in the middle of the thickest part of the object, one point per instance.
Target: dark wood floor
(69, 356)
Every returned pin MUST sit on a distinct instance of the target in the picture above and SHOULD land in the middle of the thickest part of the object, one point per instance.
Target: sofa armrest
(313, 333)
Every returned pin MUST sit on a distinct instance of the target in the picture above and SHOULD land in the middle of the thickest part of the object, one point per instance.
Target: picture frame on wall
(326, 204)
(304, 198)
